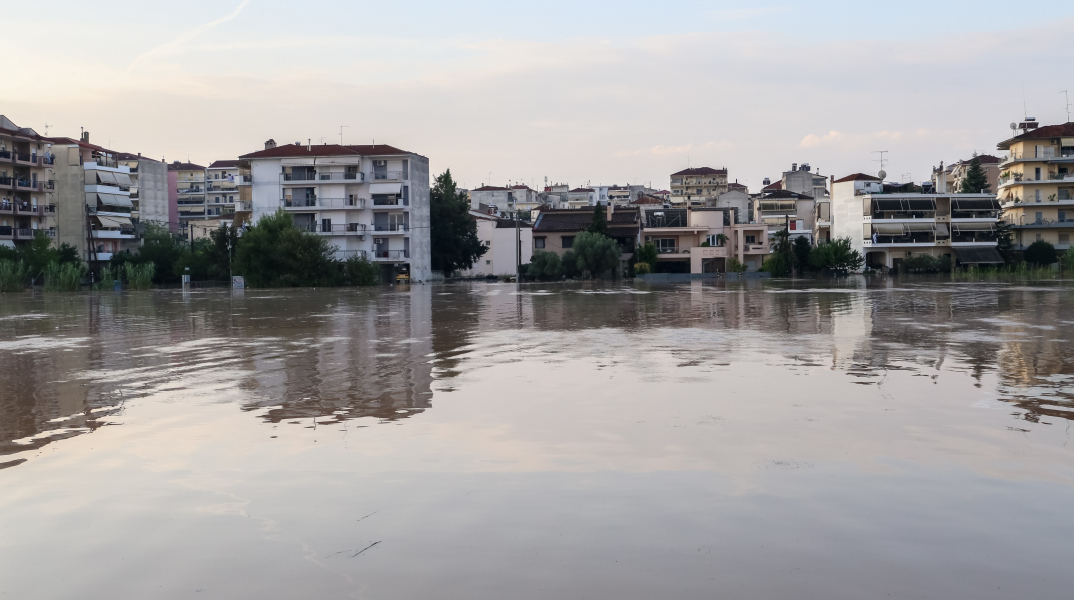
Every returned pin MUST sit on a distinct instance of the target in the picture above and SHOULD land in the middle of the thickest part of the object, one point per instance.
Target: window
(1040, 217)
(1036, 194)
(699, 190)
(488, 262)
(751, 239)
(1064, 193)
(538, 242)
(568, 242)
(1064, 238)
(231, 198)
(326, 225)
(1062, 216)
(1036, 173)
(665, 245)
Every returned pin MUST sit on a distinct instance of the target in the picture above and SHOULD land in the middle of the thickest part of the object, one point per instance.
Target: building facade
(1036, 185)
(504, 244)
(952, 176)
(555, 230)
(27, 188)
(697, 186)
(505, 199)
(702, 239)
(222, 181)
(785, 209)
(371, 201)
(149, 190)
(190, 195)
(887, 228)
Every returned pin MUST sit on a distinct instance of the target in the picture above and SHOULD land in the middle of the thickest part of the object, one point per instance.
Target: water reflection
(320, 357)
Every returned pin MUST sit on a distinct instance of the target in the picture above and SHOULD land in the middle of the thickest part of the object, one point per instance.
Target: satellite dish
(1014, 126)
(882, 174)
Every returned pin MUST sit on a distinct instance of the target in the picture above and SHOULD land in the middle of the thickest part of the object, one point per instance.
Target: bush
(924, 263)
(597, 253)
(357, 270)
(106, 277)
(736, 266)
(570, 264)
(647, 254)
(1040, 253)
(642, 268)
(802, 250)
(1066, 260)
(779, 265)
(64, 277)
(836, 254)
(139, 277)
(544, 266)
(12, 275)
(276, 253)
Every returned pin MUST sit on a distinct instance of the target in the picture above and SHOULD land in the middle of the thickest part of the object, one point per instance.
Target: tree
(160, 247)
(1040, 253)
(453, 233)
(736, 266)
(1005, 240)
(802, 249)
(37, 254)
(836, 254)
(569, 261)
(647, 254)
(276, 253)
(780, 263)
(596, 253)
(975, 181)
(544, 266)
(600, 221)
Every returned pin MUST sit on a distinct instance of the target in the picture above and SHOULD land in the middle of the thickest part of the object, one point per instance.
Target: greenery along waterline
(453, 235)
(65, 277)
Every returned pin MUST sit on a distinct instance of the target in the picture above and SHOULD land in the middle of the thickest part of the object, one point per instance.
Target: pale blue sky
(600, 91)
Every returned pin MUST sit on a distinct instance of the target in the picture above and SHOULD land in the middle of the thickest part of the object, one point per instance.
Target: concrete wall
(420, 245)
(848, 216)
(153, 197)
(70, 199)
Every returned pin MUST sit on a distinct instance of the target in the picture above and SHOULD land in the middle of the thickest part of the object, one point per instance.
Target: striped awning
(888, 228)
(114, 222)
(986, 226)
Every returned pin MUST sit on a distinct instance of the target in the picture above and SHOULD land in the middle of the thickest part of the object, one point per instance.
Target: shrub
(597, 253)
(12, 275)
(736, 266)
(65, 277)
(642, 268)
(357, 270)
(106, 278)
(1040, 253)
(647, 254)
(570, 264)
(779, 265)
(276, 253)
(139, 277)
(544, 266)
(1066, 260)
(836, 254)
(923, 263)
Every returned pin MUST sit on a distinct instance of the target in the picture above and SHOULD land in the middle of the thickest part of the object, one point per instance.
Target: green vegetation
(642, 268)
(12, 275)
(1040, 253)
(802, 250)
(544, 266)
(783, 258)
(923, 263)
(276, 253)
(596, 254)
(357, 270)
(647, 254)
(569, 260)
(66, 277)
(600, 221)
(139, 277)
(453, 233)
(975, 181)
(105, 279)
(736, 266)
(836, 255)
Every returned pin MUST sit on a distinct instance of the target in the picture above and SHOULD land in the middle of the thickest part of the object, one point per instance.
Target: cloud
(812, 140)
(185, 37)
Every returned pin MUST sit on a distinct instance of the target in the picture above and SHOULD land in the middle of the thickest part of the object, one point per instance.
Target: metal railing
(391, 254)
(7, 181)
(389, 175)
(392, 227)
(335, 229)
(387, 202)
(6, 231)
(24, 234)
(299, 202)
(345, 254)
(667, 250)
(7, 206)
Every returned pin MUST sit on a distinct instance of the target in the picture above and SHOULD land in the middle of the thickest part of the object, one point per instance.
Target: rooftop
(1049, 131)
(304, 151)
(184, 166)
(224, 164)
(579, 219)
(857, 177)
(701, 171)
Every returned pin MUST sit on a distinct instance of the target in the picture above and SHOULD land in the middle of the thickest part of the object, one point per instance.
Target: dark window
(538, 242)
(568, 241)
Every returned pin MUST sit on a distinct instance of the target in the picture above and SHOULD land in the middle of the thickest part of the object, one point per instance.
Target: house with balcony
(189, 194)
(506, 199)
(554, 230)
(93, 204)
(888, 227)
(370, 200)
(148, 190)
(697, 186)
(1036, 185)
(786, 209)
(702, 239)
(222, 183)
(27, 188)
(952, 176)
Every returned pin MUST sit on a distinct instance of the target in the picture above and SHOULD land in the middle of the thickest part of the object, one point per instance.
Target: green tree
(160, 247)
(1005, 240)
(1040, 253)
(836, 254)
(975, 181)
(647, 254)
(276, 253)
(802, 249)
(600, 221)
(38, 254)
(736, 266)
(596, 253)
(781, 262)
(569, 261)
(453, 236)
(357, 270)
(544, 266)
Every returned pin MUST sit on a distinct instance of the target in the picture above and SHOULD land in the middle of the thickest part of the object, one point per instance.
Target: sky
(578, 92)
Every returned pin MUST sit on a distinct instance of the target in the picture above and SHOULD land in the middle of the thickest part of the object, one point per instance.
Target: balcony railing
(6, 206)
(391, 227)
(215, 188)
(391, 254)
(7, 182)
(389, 175)
(5, 154)
(345, 254)
(25, 158)
(668, 250)
(336, 229)
(191, 190)
(387, 202)
(244, 206)
(354, 176)
(24, 234)
(26, 208)
(299, 202)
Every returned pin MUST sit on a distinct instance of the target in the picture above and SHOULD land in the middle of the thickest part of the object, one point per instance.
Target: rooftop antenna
(1064, 92)
(47, 126)
(341, 133)
(882, 174)
(1025, 109)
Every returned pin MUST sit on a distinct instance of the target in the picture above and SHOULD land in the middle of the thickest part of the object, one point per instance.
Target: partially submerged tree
(596, 254)
(836, 254)
(544, 266)
(1040, 253)
(453, 233)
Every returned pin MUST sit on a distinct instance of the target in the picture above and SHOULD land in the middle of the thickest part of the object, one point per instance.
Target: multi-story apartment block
(802, 180)
(222, 185)
(1036, 185)
(582, 197)
(955, 173)
(93, 204)
(786, 209)
(372, 201)
(27, 191)
(702, 239)
(505, 199)
(889, 227)
(189, 193)
(149, 190)
(697, 186)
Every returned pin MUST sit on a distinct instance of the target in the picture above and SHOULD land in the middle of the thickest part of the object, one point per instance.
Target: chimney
(309, 144)
(85, 136)
(611, 209)
(270, 144)
(805, 167)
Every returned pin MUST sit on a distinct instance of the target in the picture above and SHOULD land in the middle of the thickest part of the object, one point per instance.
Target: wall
(847, 215)
(420, 256)
(153, 196)
(70, 199)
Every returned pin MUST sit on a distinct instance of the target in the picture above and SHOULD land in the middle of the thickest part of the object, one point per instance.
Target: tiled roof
(521, 187)
(648, 200)
(772, 187)
(701, 171)
(490, 188)
(857, 177)
(510, 224)
(129, 156)
(184, 166)
(738, 186)
(580, 218)
(786, 194)
(1049, 131)
(580, 190)
(301, 151)
(224, 164)
(68, 141)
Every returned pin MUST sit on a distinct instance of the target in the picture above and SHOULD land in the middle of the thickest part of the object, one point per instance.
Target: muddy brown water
(903, 438)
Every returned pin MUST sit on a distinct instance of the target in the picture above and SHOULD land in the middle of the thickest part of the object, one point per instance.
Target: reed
(139, 277)
(64, 278)
(12, 276)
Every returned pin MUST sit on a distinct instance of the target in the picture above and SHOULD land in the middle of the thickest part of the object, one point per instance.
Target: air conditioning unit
(361, 238)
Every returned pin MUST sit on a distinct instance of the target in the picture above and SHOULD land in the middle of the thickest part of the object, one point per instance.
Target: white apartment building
(372, 201)
(505, 199)
(222, 181)
(890, 227)
(697, 186)
(499, 237)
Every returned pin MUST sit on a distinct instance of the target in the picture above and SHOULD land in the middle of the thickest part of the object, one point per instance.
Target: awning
(8, 243)
(116, 222)
(920, 226)
(942, 230)
(386, 188)
(979, 255)
(106, 178)
(115, 200)
(888, 228)
(960, 227)
(982, 204)
(923, 204)
(122, 179)
(887, 205)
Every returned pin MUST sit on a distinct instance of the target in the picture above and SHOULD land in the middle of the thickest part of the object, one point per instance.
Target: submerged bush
(642, 268)
(65, 277)
(357, 270)
(139, 277)
(12, 276)
(924, 263)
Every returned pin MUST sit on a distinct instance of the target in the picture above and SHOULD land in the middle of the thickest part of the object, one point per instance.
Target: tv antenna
(1064, 92)
(882, 174)
(47, 126)
(341, 133)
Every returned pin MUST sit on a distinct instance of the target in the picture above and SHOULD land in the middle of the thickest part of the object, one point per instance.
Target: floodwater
(902, 438)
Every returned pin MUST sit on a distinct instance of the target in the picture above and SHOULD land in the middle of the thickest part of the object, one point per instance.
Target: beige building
(555, 230)
(1036, 185)
(697, 186)
(190, 193)
(700, 240)
(27, 189)
(953, 175)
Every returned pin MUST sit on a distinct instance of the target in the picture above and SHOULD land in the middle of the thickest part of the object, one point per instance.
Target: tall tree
(975, 180)
(600, 221)
(596, 253)
(453, 233)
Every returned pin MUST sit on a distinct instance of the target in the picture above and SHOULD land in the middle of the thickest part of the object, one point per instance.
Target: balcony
(24, 234)
(25, 159)
(216, 188)
(191, 190)
(345, 254)
(304, 178)
(387, 202)
(339, 229)
(5, 155)
(670, 250)
(392, 227)
(390, 254)
(7, 232)
(112, 234)
(26, 185)
(389, 176)
(325, 203)
(244, 206)
(299, 202)
(36, 210)
(7, 183)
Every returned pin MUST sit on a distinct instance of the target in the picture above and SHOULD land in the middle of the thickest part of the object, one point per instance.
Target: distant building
(702, 239)
(784, 208)
(1036, 185)
(27, 190)
(149, 190)
(802, 180)
(505, 199)
(697, 186)
(954, 173)
(499, 237)
(555, 230)
(222, 181)
(582, 197)
(738, 199)
(370, 201)
(888, 227)
(190, 195)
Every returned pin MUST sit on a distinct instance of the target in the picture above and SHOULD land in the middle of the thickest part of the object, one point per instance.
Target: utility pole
(518, 247)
